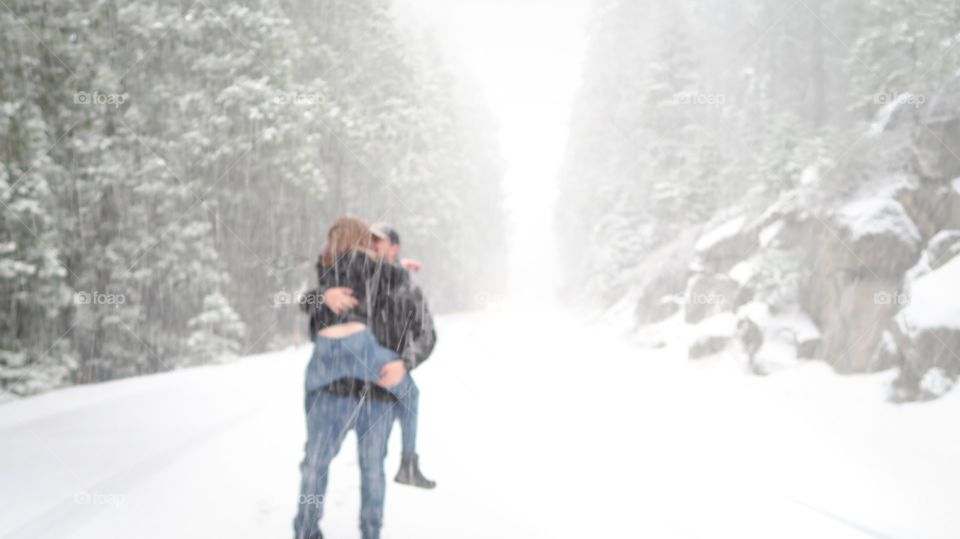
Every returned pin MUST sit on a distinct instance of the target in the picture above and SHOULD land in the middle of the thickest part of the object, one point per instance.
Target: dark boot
(409, 473)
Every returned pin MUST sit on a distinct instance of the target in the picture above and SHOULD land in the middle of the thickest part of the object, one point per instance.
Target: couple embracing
(371, 327)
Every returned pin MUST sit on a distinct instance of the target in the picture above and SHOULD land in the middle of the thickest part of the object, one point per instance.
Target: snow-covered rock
(927, 330)
(712, 293)
(712, 335)
(939, 141)
(663, 279)
(877, 236)
(953, 205)
(857, 259)
(770, 233)
(943, 247)
(875, 217)
(933, 205)
(787, 335)
(887, 354)
(807, 336)
(852, 315)
(707, 345)
(934, 301)
(890, 114)
(725, 245)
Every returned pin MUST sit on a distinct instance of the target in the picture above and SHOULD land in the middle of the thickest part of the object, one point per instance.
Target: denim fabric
(356, 356)
(329, 418)
(406, 412)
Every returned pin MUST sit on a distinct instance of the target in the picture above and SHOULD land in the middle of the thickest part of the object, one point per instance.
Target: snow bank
(933, 301)
(720, 325)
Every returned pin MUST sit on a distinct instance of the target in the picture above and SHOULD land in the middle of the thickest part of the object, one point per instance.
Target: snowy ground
(534, 426)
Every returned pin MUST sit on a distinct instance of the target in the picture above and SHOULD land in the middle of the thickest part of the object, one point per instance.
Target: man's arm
(420, 337)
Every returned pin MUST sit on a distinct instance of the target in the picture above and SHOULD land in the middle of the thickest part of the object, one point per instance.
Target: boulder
(707, 345)
(724, 246)
(665, 308)
(809, 347)
(664, 276)
(783, 225)
(943, 247)
(659, 298)
(953, 205)
(857, 258)
(876, 236)
(713, 335)
(939, 141)
(888, 354)
(712, 293)
(851, 315)
(927, 330)
(932, 205)
(809, 339)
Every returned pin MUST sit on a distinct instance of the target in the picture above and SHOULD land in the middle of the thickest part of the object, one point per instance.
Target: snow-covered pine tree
(216, 332)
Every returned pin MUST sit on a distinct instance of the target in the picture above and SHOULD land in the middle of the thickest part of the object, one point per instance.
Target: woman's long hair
(348, 234)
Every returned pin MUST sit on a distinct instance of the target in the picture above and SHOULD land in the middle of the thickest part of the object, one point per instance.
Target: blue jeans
(407, 414)
(329, 418)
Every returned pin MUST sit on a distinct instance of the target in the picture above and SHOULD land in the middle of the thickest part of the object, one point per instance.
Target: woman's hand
(392, 374)
(339, 299)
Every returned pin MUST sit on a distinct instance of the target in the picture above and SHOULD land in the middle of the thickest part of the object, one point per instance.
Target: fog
(682, 269)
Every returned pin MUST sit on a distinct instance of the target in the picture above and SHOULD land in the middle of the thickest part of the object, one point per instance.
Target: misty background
(695, 265)
(169, 170)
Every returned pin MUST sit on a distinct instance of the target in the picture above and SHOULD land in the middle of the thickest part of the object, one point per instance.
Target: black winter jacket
(389, 304)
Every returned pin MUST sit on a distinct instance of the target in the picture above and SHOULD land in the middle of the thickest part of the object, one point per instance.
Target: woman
(351, 381)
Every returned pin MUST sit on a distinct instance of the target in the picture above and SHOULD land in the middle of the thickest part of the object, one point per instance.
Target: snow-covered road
(534, 426)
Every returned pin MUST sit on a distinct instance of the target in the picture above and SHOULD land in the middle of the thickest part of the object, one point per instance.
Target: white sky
(526, 56)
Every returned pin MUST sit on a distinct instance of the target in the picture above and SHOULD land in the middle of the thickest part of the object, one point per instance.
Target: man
(386, 242)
